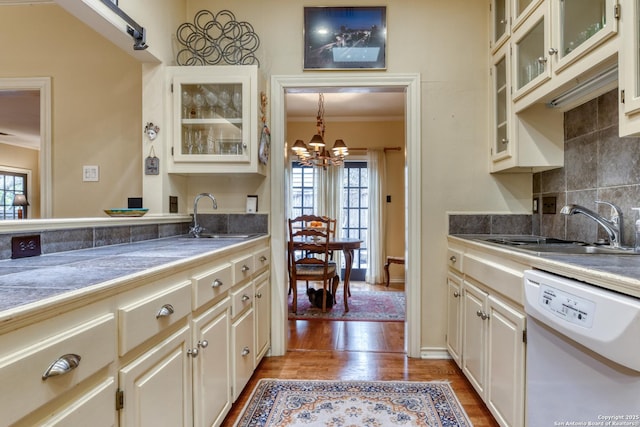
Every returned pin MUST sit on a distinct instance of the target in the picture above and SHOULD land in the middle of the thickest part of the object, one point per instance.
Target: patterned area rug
(352, 403)
(372, 306)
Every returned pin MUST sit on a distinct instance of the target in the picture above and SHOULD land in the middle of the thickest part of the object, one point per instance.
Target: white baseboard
(434, 353)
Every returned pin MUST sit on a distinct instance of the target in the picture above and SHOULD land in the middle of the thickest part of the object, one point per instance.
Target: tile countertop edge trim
(35, 311)
(38, 225)
(615, 282)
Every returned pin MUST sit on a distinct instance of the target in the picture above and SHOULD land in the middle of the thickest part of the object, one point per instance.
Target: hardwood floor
(349, 350)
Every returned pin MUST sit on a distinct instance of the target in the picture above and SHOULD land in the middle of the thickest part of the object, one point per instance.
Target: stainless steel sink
(225, 236)
(540, 245)
(222, 236)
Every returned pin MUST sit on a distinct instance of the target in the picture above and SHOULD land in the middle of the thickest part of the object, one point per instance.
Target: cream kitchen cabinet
(500, 23)
(242, 337)
(161, 343)
(553, 46)
(156, 388)
(629, 70)
(486, 329)
(216, 127)
(454, 303)
(58, 371)
(263, 316)
(454, 317)
(212, 365)
(559, 41)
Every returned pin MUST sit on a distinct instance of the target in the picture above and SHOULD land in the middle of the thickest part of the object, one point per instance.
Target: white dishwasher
(583, 354)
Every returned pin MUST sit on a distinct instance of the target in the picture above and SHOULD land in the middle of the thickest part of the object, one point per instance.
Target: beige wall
(24, 158)
(96, 96)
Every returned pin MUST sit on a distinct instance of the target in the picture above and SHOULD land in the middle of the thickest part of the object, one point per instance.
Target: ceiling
(20, 118)
(345, 103)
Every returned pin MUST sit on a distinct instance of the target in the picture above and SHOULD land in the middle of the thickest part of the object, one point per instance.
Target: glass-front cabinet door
(216, 121)
(500, 23)
(500, 72)
(629, 71)
(579, 27)
(531, 65)
(522, 9)
(212, 119)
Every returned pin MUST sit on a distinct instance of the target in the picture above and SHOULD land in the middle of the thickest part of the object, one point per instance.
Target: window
(302, 190)
(355, 213)
(11, 183)
(355, 208)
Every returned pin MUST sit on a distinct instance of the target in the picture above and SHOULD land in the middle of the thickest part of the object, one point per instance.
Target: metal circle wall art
(214, 39)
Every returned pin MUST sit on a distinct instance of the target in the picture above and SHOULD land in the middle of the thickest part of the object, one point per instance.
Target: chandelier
(320, 156)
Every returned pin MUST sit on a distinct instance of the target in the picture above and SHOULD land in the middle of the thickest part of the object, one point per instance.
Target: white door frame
(279, 274)
(43, 84)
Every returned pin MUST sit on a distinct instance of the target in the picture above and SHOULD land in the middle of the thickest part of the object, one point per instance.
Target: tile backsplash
(598, 165)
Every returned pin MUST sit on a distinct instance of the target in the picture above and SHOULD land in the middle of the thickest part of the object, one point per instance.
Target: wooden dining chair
(308, 249)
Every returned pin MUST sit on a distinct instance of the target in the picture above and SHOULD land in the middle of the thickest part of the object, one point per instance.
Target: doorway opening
(409, 85)
(25, 104)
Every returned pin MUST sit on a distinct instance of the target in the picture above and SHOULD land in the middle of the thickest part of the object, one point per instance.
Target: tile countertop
(28, 283)
(620, 273)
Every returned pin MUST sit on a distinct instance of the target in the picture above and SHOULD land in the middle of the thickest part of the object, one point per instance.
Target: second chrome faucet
(612, 226)
(195, 230)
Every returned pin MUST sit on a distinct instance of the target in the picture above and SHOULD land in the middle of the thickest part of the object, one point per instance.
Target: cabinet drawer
(262, 258)
(22, 386)
(211, 283)
(241, 299)
(94, 408)
(454, 259)
(243, 267)
(148, 316)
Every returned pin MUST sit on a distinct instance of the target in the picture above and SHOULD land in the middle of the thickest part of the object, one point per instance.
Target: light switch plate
(90, 173)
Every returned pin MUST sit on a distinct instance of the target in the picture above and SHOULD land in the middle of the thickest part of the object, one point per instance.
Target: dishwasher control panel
(571, 308)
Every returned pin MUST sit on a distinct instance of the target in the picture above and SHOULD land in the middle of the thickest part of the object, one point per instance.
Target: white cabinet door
(505, 363)
(212, 366)
(157, 385)
(474, 342)
(263, 316)
(242, 351)
(454, 323)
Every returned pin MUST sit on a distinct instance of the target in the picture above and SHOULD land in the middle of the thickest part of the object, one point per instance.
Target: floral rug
(372, 306)
(352, 403)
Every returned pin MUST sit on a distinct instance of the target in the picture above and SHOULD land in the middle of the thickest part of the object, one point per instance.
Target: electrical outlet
(549, 205)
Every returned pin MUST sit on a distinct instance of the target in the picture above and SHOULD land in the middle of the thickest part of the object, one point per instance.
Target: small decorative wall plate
(265, 145)
(126, 212)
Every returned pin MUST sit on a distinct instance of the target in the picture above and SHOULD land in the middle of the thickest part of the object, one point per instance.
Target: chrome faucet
(612, 226)
(196, 229)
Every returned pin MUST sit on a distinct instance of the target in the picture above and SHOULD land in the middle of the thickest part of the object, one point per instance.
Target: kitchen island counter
(35, 284)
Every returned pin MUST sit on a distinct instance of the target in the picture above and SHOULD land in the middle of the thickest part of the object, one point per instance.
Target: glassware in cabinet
(215, 120)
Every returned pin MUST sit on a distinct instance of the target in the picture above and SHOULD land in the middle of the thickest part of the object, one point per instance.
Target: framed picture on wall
(345, 38)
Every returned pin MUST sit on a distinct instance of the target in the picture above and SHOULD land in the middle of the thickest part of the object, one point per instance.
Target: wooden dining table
(347, 246)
